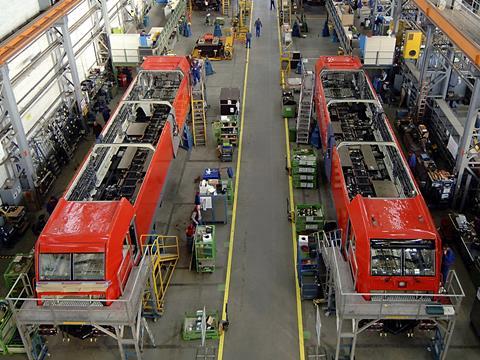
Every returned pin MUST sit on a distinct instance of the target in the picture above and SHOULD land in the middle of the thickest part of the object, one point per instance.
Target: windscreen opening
(68, 267)
(402, 258)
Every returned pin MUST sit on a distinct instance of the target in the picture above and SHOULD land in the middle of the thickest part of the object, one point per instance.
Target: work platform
(142, 296)
(355, 313)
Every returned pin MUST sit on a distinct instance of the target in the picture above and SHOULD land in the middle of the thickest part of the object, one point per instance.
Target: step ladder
(422, 99)
(305, 108)
(199, 118)
(226, 7)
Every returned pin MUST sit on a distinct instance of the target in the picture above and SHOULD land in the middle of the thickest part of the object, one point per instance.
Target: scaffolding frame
(144, 291)
(351, 308)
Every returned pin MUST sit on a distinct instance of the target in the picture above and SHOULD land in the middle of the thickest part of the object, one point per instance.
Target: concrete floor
(262, 291)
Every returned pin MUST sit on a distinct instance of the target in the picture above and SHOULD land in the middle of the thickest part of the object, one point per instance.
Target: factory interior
(240, 179)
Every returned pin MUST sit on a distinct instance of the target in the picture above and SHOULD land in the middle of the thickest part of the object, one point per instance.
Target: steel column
(448, 74)
(16, 121)
(466, 140)
(397, 12)
(425, 57)
(67, 45)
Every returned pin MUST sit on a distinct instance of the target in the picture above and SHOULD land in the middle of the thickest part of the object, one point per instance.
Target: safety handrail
(453, 295)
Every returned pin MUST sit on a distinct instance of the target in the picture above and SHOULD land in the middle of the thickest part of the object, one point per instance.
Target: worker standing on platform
(272, 4)
(248, 40)
(448, 258)
(258, 27)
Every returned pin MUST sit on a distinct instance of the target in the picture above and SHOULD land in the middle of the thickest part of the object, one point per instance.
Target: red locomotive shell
(388, 235)
(91, 241)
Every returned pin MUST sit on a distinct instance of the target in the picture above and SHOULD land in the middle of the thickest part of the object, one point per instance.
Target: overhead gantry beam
(440, 18)
(17, 42)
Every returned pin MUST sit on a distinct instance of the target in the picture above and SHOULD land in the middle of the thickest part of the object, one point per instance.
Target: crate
(192, 326)
(288, 111)
(305, 222)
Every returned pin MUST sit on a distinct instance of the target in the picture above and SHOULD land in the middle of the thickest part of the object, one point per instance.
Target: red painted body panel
(102, 226)
(375, 218)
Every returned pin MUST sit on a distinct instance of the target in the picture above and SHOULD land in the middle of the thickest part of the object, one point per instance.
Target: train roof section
(390, 218)
(78, 223)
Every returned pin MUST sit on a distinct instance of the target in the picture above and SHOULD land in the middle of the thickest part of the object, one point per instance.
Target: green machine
(192, 325)
(289, 105)
(10, 340)
(309, 217)
(205, 248)
(304, 169)
(21, 264)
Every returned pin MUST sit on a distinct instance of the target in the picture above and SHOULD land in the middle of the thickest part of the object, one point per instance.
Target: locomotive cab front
(93, 259)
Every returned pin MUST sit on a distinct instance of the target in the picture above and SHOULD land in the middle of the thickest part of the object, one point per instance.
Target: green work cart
(192, 325)
(205, 248)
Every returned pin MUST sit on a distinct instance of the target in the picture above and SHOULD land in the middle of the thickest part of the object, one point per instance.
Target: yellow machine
(215, 48)
(240, 22)
(412, 44)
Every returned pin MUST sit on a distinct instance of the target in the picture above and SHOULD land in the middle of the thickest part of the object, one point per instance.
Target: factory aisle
(262, 303)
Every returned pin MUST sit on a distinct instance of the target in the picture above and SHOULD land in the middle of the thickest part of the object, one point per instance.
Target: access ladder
(305, 108)
(226, 7)
(199, 118)
(422, 99)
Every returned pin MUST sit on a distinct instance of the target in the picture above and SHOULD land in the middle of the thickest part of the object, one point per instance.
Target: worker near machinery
(412, 160)
(448, 258)
(97, 129)
(248, 40)
(51, 204)
(196, 68)
(189, 233)
(258, 27)
(106, 113)
(197, 215)
(272, 4)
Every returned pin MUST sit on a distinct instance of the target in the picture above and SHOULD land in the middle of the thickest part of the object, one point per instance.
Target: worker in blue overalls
(196, 72)
(448, 258)
(258, 27)
(248, 40)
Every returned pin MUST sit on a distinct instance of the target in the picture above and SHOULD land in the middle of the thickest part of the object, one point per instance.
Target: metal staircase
(199, 118)
(163, 255)
(305, 108)
(226, 7)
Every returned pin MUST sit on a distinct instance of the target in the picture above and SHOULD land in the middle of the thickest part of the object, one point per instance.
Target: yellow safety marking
(301, 343)
(235, 198)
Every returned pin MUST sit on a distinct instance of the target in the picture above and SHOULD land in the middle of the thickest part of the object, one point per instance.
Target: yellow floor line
(301, 343)
(235, 199)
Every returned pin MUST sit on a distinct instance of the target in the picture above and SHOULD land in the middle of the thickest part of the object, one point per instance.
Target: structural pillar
(67, 45)
(16, 121)
(451, 57)
(466, 140)
(397, 12)
(426, 55)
